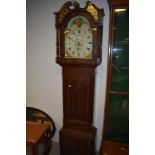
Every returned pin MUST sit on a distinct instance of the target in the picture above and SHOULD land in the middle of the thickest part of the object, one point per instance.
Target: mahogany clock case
(77, 136)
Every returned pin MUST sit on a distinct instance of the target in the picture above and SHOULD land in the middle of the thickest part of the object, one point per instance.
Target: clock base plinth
(75, 142)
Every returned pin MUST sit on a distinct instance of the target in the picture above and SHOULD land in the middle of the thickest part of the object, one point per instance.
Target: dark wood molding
(116, 148)
(118, 2)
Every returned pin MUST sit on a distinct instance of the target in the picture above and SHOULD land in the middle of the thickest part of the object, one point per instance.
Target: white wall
(44, 76)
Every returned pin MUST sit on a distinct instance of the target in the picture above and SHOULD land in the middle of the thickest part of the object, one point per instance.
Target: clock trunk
(78, 93)
(78, 135)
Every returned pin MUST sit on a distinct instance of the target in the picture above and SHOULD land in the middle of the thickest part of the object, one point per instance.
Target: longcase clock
(79, 52)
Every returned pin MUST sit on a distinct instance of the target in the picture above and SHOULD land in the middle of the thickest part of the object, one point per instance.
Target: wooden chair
(37, 115)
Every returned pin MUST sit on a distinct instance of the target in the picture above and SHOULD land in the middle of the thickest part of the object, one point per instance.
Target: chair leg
(47, 146)
(34, 149)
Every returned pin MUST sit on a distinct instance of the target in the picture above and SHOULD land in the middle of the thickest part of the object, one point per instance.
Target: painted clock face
(78, 38)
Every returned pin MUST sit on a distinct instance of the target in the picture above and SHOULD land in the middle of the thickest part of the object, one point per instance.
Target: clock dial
(78, 38)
